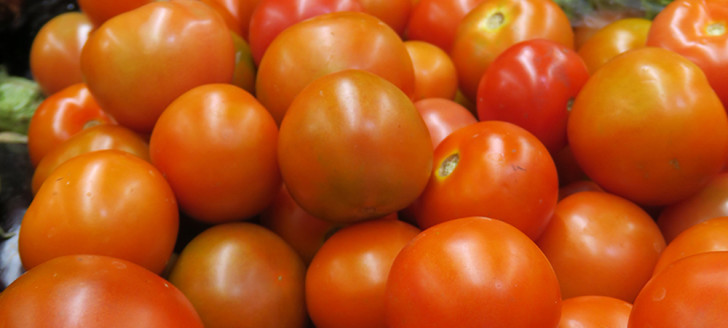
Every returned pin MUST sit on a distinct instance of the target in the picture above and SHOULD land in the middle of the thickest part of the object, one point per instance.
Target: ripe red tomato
(532, 84)
(242, 275)
(271, 17)
(94, 291)
(55, 54)
(99, 11)
(436, 21)
(476, 272)
(638, 127)
(99, 137)
(216, 145)
(59, 117)
(594, 312)
(341, 148)
(692, 292)
(495, 25)
(494, 169)
(325, 44)
(707, 236)
(346, 281)
(106, 202)
(601, 244)
(435, 75)
(613, 39)
(138, 62)
(697, 30)
(443, 117)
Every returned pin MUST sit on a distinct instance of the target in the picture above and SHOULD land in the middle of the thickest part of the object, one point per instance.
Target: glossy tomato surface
(638, 127)
(594, 312)
(443, 117)
(436, 21)
(99, 11)
(94, 291)
(435, 75)
(613, 39)
(476, 272)
(706, 236)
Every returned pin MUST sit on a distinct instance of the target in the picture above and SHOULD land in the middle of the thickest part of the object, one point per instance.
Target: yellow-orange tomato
(395, 13)
(435, 75)
(707, 236)
(99, 11)
(614, 39)
(594, 311)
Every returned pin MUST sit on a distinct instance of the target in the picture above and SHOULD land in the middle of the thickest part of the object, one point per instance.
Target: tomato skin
(696, 29)
(394, 13)
(326, 44)
(136, 86)
(346, 281)
(594, 312)
(238, 175)
(341, 151)
(690, 293)
(601, 244)
(237, 13)
(443, 117)
(106, 202)
(531, 84)
(638, 126)
(436, 21)
(100, 137)
(495, 161)
(59, 117)
(435, 75)
(707, 236)
(56, 51)
(242, 275)
(94, 291)
(613, 39)
(99, 11)
(271, 17)
(475, 271)
(578, 186)
(495, 25)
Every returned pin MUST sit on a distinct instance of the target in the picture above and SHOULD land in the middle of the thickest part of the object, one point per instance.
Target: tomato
(55, 53)
(325, 44)
(594, 312)
(106, 202)
(613, 39)
(395, 13)
(443, 117)
(59, 117)
(696, 29)
(578, 186)
(237, 177)
(473, 271)
(638, 127)
(436, 21)
(139, 61)
(242, 275)
(94, 291)
(689, 293)
(346, 281)
(435, 75)
(99, 137)
(341, 149)
(237, 13)
(601, 244)
(495, 25)
(494, 169)
(244, 74)
(710, 202)
(707, 236)
(271, 17)
(99, 11)
(593, 21)
(532, 84)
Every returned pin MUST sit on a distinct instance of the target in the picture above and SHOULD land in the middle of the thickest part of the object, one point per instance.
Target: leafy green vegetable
(19, 98)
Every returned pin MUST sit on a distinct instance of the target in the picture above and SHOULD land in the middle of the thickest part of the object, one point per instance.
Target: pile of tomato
(376, 163)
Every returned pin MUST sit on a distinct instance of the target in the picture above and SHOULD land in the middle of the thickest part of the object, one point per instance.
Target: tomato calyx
(494, 21)
(448, 165)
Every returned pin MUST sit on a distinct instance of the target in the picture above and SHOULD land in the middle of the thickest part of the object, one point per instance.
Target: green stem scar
(715, 29)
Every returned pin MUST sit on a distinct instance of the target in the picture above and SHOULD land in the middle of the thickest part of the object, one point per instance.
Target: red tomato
(696, 29)
(495, 25)
(55, 54)
(710, 202)
(242, 275)
(435, 75)
(271, 17)
(325, 44)
(594, 312)
(532, 84)
(707, 236)
(237, 175)
(94, 291)
(395, 13)
(106, 202)
(443, 117)
(475, 272)
(341, 149)
(601, 244)
(614, 39)
(494, 169)
(139, 61)
(346, 281)
(638, 127)
(100, 137)
(692, 292)
(59, 117)
(436, 21)
(99, 11)
(237, 13)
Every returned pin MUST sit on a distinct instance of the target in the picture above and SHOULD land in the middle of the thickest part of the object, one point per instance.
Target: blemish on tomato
(715, 29)
(675, 164)
(448, 165)
(494, 21)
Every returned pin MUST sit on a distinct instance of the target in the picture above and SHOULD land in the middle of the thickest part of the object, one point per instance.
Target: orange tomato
(435, 75)
(614, 39)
